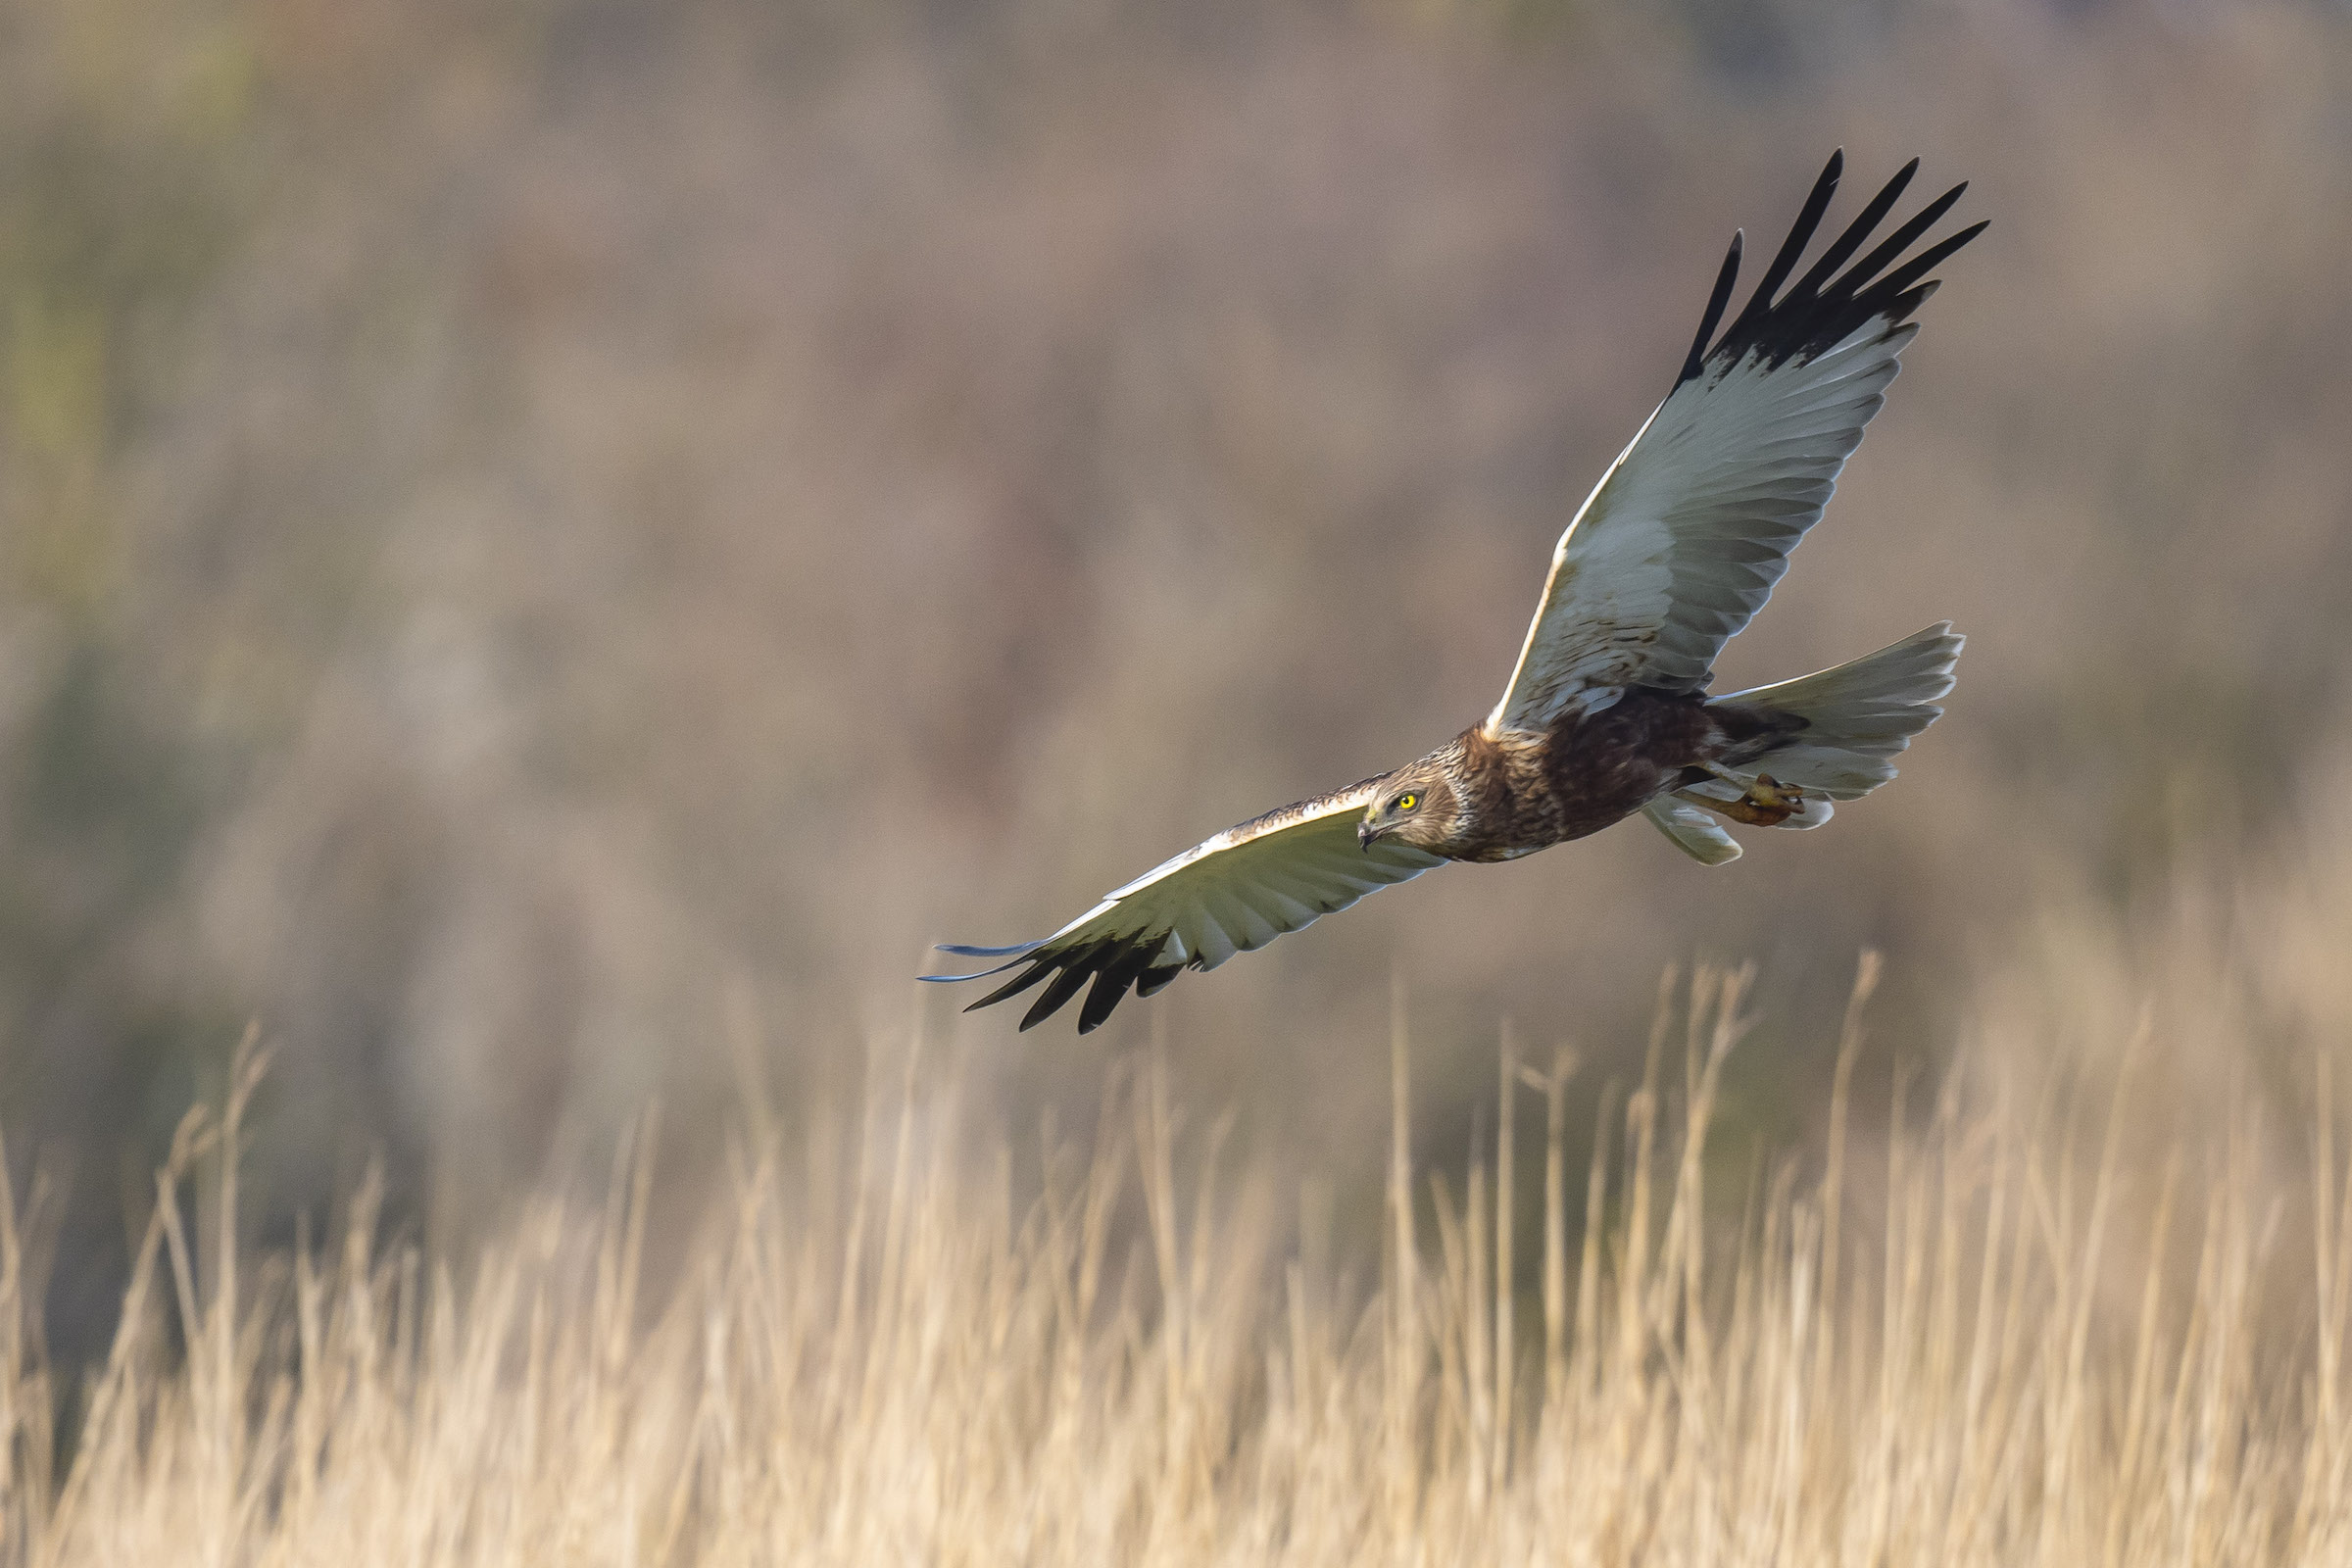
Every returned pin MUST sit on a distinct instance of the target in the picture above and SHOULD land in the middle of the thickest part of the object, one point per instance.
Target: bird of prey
(1607, 712)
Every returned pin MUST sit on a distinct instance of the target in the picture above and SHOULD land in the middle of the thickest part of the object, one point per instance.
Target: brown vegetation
(879, 1354)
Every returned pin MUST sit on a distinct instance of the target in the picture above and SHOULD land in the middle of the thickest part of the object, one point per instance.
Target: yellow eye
(1405, 803)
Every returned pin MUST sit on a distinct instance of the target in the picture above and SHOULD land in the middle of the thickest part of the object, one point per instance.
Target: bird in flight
(1607, 712)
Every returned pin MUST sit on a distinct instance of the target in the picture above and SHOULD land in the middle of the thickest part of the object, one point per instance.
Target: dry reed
(920, 1368)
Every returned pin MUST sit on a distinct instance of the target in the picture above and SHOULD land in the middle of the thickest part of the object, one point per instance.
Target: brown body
(1484, 795)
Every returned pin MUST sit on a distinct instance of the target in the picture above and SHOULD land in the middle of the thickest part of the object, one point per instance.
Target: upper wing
(1234, 894)
(1683, 539)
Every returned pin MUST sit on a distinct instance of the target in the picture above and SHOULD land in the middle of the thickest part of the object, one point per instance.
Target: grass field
(2020, 1348)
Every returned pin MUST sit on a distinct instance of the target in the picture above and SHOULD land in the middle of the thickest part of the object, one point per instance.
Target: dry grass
(919, 1368)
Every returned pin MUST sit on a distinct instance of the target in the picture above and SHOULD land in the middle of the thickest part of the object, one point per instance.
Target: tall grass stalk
(2010, 1348)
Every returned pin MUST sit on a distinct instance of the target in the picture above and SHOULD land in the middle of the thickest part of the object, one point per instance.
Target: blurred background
(547, 550)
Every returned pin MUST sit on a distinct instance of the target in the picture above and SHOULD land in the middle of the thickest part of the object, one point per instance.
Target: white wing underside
(1232, 894)
(1682, 541)
(1239, 890)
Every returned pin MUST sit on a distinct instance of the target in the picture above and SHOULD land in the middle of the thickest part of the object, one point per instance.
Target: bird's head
(1416, 804)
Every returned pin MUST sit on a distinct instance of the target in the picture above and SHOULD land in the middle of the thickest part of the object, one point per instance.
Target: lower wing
(1234, 894)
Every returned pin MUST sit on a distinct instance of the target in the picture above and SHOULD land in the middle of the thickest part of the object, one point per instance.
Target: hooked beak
(1365, 833)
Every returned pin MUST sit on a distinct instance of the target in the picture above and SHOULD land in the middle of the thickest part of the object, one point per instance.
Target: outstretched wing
(1685, 536)
(1234, 894)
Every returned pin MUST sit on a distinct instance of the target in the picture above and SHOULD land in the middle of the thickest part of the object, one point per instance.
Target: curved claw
(1765, 803)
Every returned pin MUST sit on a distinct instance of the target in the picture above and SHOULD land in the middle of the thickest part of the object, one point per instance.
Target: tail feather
(1694, 831)
(1857, 716)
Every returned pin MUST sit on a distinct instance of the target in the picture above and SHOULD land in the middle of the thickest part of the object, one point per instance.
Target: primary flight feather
(1606, 713)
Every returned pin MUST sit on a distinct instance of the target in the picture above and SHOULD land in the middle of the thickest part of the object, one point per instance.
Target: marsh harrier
(1607, 711)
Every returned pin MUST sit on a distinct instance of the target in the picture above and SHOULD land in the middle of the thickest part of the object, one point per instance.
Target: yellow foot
(1767, 803)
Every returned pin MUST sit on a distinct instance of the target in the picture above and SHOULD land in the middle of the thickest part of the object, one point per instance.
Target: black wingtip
(1844, 245)
(1153, 981)
(1013, 986)
(1115, 964)
(1017, 953)
(1057, 995)
(1904, 277)
(1826, 305)
(1716, 302)
(1800, 235)
(1859, 277)
(1111, 983)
